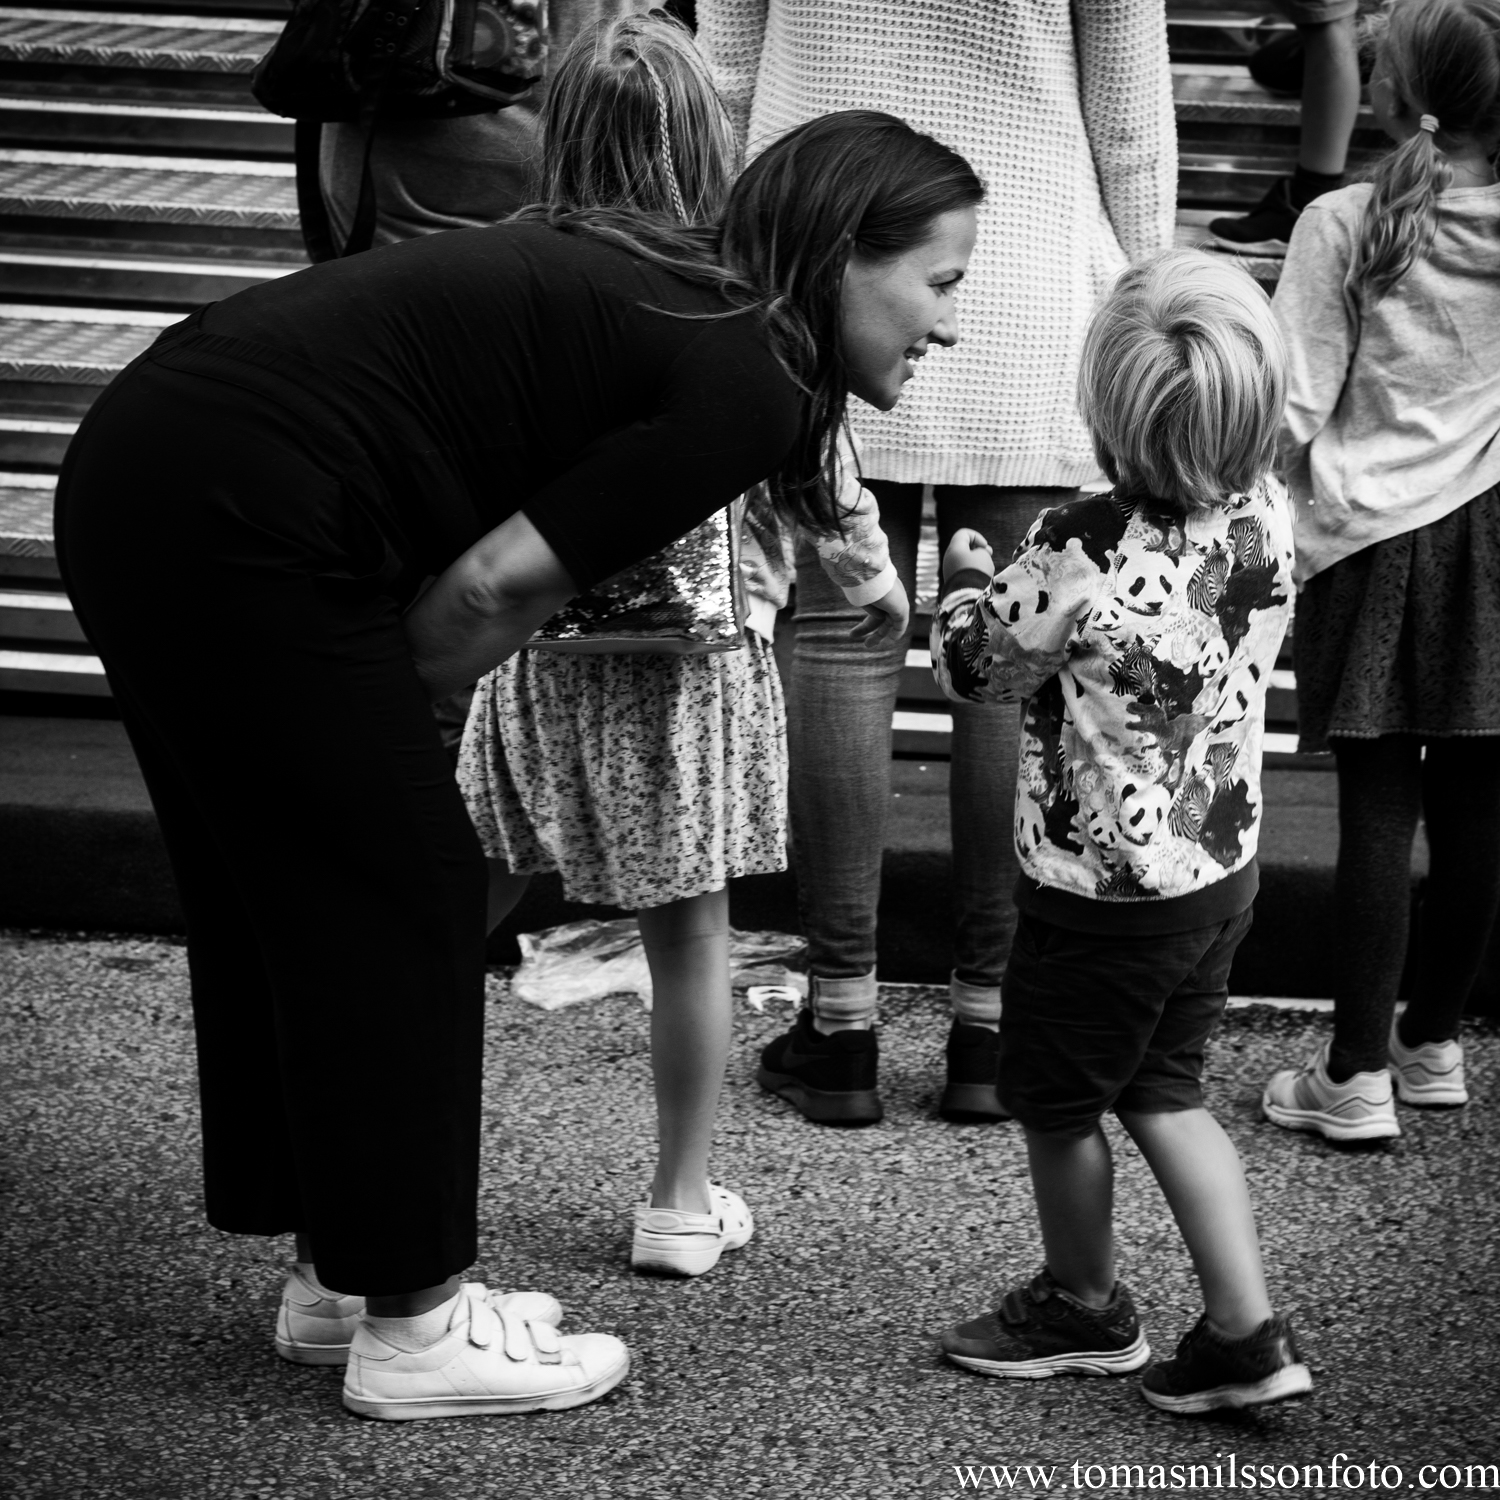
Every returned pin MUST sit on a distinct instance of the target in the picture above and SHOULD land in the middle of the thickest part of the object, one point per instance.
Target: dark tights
(1384, 785)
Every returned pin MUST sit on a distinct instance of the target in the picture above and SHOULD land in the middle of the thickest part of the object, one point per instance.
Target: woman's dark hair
(854, 182)
(857, 182)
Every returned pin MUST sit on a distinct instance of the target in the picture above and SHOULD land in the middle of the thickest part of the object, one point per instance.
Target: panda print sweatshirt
(1142, 641)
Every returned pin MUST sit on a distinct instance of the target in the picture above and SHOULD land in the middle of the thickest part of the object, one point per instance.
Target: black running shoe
(831, 1079)
(1041, 1329)
(1210, 1371)
(971, 1095)
(1266, 229)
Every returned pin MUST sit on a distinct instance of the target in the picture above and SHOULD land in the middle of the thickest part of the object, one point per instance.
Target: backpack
(366, 60)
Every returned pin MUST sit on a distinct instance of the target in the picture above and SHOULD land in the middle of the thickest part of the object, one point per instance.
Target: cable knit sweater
(1066, 113)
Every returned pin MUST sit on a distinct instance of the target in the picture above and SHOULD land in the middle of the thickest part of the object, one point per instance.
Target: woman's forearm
(485, 606)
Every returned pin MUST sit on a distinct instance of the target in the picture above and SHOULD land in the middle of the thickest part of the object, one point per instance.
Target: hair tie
(1429, 123)
(665, 134)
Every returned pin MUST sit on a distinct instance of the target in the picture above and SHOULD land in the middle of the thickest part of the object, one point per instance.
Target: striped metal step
(1226, 94)
(138, 43)
(39, 118)
(75, 267)
(42, 647)
(55, 360)
(37, 442)
(158, 190)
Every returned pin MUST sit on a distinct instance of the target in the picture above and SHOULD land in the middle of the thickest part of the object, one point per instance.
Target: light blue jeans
(839, 740)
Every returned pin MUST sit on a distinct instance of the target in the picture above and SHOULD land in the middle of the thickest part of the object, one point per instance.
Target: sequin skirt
(1403, 637)
(641, 778)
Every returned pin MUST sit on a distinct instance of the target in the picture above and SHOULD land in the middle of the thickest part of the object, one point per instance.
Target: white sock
(412, 1335)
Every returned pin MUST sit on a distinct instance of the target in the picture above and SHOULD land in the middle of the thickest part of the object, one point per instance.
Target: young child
(1141, 626)
(1390, 306)
(650, 780)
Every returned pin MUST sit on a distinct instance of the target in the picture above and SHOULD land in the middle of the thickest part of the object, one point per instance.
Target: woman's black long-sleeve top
(453, 380)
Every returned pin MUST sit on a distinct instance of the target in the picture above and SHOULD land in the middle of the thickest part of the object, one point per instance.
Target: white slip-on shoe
(1306, 1098)
(674, 1243)
(1432, 1074)
(314, 1327)
(490, 1362)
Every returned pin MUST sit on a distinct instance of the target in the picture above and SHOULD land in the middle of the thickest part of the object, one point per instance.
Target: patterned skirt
(642, 778)
(1404, 636)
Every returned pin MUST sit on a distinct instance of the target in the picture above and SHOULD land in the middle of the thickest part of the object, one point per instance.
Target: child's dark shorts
(1094, 1021)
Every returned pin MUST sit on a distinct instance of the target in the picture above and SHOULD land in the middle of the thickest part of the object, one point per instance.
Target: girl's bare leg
(687, 947)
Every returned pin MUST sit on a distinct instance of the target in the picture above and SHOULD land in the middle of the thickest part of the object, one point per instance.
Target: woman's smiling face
(891, 310)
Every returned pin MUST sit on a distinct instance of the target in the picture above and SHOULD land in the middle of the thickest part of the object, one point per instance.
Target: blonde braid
(664, 132)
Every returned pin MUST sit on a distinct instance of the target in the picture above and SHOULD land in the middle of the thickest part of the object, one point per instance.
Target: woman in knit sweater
(1066, 111)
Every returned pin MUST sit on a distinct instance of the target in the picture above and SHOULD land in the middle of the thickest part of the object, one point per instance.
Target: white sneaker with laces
(490, 1362)
(1360, 1109)
(1430, 1074)
(675, 1243)
(314, 1327)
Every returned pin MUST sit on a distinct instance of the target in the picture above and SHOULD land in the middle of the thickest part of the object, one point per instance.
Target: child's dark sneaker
(971, 1095)
(1041, 1329)
(1210, 1371)
(831, 1079)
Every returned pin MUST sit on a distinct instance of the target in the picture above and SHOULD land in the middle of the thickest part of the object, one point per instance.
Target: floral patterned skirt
(1403, 637)
(642, 778)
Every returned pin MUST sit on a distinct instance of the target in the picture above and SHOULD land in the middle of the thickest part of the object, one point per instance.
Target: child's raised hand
(968, 549)
(886, 619)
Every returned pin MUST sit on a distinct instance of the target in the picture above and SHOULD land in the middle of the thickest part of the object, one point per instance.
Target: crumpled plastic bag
(587, 960)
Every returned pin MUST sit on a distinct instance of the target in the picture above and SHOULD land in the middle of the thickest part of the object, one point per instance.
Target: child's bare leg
(687, 946)
(505, 891)
(1200, 1173)
(1073, 1178)
(1330, 95)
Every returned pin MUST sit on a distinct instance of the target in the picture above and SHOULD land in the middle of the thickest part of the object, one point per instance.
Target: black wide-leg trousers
(333, 887)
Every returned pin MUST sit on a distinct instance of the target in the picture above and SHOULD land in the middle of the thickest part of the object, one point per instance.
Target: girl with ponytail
(1390, 306)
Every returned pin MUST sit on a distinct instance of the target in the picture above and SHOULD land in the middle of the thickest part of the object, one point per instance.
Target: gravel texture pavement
(137, 1351)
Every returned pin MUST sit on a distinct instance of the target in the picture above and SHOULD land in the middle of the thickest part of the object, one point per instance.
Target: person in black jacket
(245, 522)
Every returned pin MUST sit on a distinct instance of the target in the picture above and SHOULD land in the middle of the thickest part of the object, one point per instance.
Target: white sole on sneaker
(1429, 1095)
(1290, 1380)
(415, 1409)
(1330, 1127)
(1117, 1362)
(1270, 249)
(312, 1354)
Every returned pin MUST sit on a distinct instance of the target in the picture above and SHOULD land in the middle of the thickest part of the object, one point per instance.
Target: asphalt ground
(137, 1341)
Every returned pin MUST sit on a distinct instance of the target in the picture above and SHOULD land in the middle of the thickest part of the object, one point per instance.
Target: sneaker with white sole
(1042, 1329)
(672, 1242)
(490, 1362)
(1432, 1074)
(1211, 1371)
(314, 1327)
(1359, 1109)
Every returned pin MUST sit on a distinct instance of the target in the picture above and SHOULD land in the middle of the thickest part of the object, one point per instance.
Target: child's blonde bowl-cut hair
(1183, 380)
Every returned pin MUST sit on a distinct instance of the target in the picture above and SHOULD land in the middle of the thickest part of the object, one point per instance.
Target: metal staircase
(138, 179)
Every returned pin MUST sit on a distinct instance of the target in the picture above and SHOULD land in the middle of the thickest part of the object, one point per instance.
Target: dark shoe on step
(1042, 1329)
(830, 1079)
(971, 1095)
(1210, 1371)
(1266, 229)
